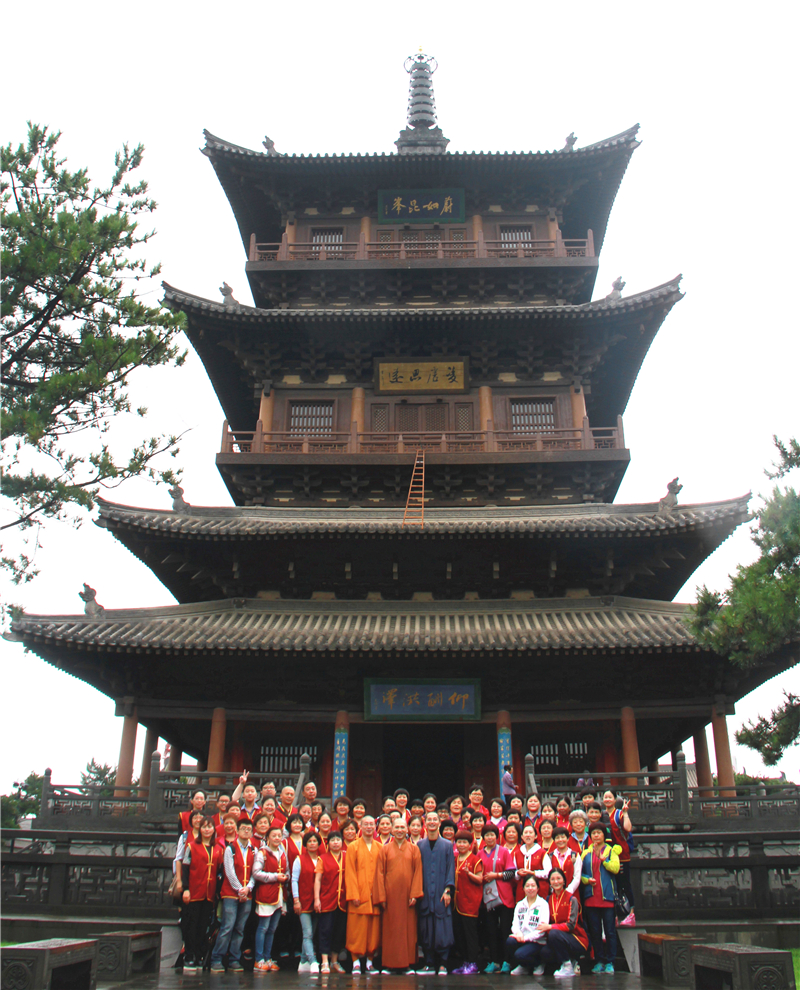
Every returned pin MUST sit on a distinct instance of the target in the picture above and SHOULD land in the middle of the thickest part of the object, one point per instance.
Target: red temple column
(722, 750)
(357, 409)
(127, 748)
(630, 745)
(702, 761)
(485, 406)
(150, 744)
(216, 745)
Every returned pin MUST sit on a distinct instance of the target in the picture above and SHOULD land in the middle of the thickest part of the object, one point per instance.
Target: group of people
(534, 882)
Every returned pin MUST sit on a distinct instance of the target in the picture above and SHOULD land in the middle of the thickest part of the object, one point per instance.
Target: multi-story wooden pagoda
(441, 304)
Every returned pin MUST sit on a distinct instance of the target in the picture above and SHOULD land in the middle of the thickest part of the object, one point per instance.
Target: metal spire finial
(421, 104)
(422, 135)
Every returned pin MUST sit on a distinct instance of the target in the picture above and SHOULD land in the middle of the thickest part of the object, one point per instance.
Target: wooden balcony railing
(364, 250)
(259, 441)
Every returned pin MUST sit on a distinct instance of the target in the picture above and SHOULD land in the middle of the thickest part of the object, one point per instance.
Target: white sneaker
(566, 969)
(443, 971)
(357, 967)
(519, 971)
(313, 967)
(539, 971)
(368, 967)
(304, 968)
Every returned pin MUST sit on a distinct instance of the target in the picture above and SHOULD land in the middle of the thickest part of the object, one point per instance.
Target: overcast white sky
(712, 193)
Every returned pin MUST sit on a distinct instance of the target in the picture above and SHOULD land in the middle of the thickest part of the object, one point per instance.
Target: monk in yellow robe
(363, 915)
(398, 885)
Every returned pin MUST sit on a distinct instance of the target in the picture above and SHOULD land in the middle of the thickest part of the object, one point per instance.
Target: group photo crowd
(457, 886)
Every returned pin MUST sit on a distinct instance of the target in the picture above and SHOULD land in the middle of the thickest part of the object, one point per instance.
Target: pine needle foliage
(73, 331)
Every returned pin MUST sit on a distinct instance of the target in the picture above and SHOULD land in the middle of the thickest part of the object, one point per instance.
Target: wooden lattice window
(380, 419)
(516, 234)
(458, 236)
(385, 237)
(285, 759)
(436, 418)
(327, 235)
(553, 757)
(433, 236)
(311, 419)
(464, 417)
(532, 415)
(331, 238)
(407, 418)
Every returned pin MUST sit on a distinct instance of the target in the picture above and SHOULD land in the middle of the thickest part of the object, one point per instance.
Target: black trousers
(465, 930)
(195, 917)
(498, 928)
(331, 931)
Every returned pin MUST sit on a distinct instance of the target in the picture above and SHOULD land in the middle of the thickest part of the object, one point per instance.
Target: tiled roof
(256, 626)
(668, 292)
(627, 137)
(266, 522)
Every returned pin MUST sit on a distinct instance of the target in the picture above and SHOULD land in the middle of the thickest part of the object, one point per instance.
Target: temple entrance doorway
(424, 758)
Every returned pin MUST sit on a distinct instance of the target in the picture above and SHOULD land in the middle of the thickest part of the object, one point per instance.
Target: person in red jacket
(236, 893)
(468, 900)
(303, 897)
(271, 872)
(498, 895)
(201, 864)
(330, 902)
(197, 803)
(566, 936)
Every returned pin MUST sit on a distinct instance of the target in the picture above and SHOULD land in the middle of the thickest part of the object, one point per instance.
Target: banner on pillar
(340, 742)
(457, 699)
(503, 750)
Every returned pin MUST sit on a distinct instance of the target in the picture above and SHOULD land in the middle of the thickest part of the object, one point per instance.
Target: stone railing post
(589, 244)
(252, 252)
(530, 778)
(682, 779)
(46, 802)
(155, 799)
(305, 774)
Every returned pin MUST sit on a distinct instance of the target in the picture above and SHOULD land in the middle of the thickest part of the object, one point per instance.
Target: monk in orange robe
(398, 885)
(363, 915)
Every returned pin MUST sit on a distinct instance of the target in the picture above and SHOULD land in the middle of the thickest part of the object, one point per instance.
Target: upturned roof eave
(438, 520)
(626, 138)
(658, 295)
(612, 153)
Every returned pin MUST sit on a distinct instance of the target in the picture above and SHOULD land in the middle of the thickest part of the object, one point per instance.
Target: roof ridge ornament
(421, 136)
(670, 500)
(616, 289)
(570, 142)
(227, 296)
(89, 598)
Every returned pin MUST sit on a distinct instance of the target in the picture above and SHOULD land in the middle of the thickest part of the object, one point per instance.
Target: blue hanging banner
(340, 742)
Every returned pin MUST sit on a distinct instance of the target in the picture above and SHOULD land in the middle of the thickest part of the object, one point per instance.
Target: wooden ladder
(415, 504)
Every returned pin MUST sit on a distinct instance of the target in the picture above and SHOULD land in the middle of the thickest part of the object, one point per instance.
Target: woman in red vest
(201, 864)
(303, 898)
(271, 871)
(324, 826)
(469, 897)
(566, 936)
(197, 803)
(330, 902)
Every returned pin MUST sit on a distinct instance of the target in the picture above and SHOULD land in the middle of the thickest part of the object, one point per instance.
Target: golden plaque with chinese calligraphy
(408, 375)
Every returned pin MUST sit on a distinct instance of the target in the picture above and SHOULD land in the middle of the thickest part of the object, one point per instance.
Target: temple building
(435, 312)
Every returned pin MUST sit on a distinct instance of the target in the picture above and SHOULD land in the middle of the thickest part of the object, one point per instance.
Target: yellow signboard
(403, 375)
